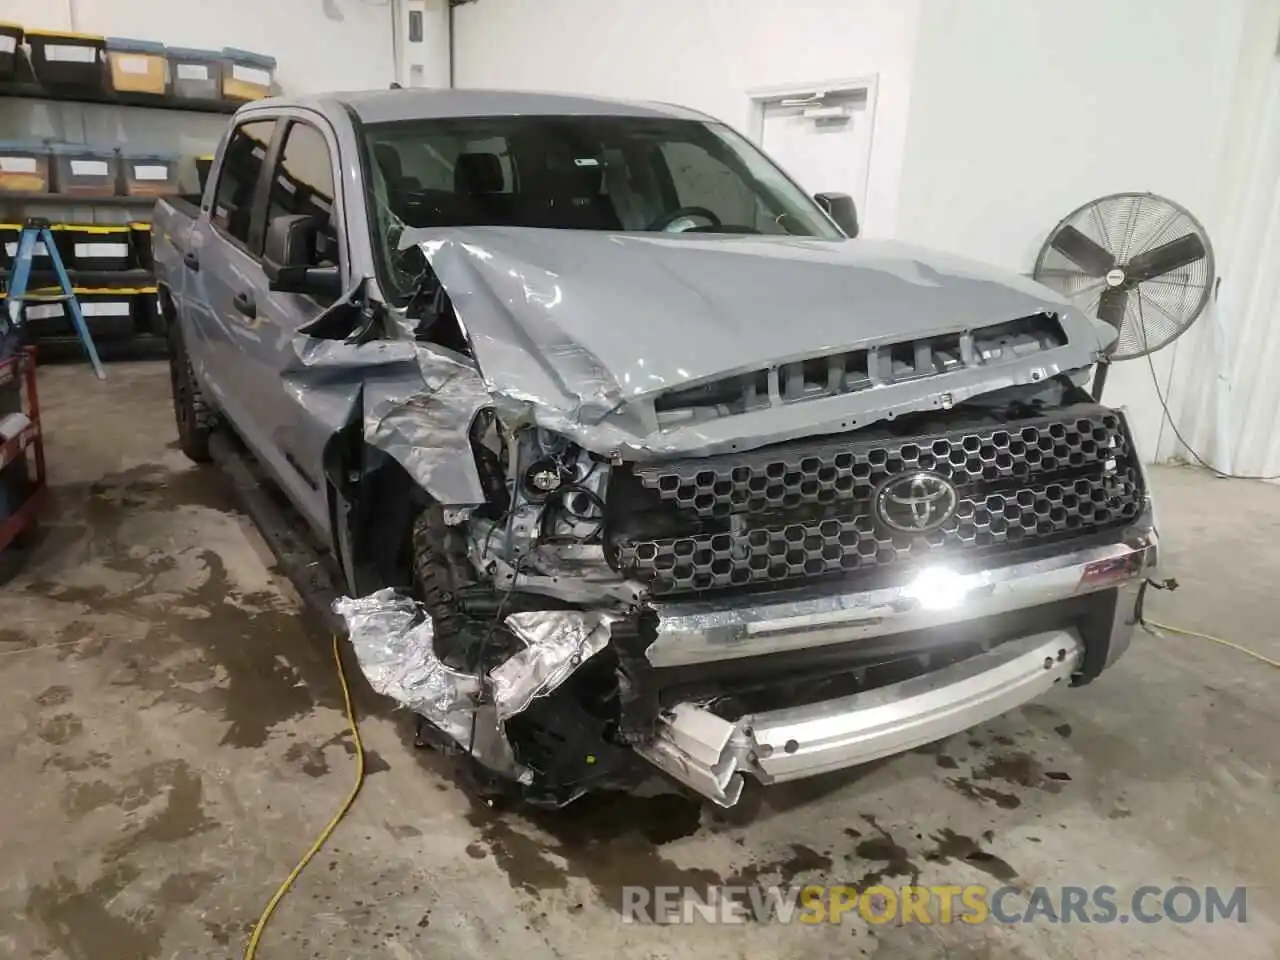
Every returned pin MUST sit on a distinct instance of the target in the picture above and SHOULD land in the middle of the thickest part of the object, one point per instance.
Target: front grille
(805, 510)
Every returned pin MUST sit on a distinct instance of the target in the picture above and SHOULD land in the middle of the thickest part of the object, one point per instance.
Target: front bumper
(691, 633)
(713, 755)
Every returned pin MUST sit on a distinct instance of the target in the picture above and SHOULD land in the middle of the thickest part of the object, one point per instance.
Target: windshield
(621, 174)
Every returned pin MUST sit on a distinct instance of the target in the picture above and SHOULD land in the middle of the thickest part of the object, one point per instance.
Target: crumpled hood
(583, 321)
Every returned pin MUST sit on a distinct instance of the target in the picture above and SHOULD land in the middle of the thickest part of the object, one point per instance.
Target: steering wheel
(667, 219)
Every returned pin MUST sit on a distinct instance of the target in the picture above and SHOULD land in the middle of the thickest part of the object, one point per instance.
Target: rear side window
(238, 177)
(303, 184)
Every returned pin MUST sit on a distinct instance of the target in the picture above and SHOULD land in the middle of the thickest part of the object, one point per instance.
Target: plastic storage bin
(136, 66)
(95, 248)
(10, 49)
(109, 314)
(47, 319)
(24, 167)
(195, 74)
(85, 172)
(67, 59)
(246, 75)
(203, 166)
(150, 174)
(40, 259)
(140, 237)
(146, 312)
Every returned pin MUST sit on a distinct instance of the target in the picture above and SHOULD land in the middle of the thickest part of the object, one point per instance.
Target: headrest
(389, 161)
(475, 174)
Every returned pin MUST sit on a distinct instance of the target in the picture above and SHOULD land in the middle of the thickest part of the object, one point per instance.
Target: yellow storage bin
(137, 66)
(245, 75)
(24, 167)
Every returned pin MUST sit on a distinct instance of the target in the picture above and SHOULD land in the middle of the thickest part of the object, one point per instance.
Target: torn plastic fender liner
(557, 642)
(392, 637)
(418, 405)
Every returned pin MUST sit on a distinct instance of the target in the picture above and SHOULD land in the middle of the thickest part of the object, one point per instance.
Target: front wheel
(190, 409)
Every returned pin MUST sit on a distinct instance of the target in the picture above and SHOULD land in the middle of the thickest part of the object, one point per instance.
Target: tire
(192, 412)
(440, 571)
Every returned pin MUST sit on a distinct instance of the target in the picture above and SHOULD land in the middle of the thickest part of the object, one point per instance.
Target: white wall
(1226, 391)
(995, 118)
(705, 55)
(1021, 110)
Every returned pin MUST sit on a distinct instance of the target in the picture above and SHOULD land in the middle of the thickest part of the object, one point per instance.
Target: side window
(703, 181)
(238, 177)
(303, 184)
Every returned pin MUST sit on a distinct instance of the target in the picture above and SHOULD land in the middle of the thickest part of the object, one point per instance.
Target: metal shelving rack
(14, 206)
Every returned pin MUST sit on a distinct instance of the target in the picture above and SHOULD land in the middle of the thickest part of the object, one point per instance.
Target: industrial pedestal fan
(1137, 261)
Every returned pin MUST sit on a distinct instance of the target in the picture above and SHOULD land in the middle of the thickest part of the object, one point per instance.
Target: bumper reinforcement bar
(711, 755)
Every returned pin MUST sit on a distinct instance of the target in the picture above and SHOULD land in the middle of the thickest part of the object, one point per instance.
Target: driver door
(303, 176)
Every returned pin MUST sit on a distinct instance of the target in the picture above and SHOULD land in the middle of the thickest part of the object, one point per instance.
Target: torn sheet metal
(418, 405)
(392, 635)
(578, 331)
(557, 642)
(428, 430)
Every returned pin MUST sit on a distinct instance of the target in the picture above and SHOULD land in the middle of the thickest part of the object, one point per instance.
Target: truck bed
(171, 223)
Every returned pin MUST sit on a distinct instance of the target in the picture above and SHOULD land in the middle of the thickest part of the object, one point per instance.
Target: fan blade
(1165, 258)
(1089, 256)
(1112, 304)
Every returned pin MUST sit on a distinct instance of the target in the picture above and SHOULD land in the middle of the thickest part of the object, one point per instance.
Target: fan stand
(1100, 378)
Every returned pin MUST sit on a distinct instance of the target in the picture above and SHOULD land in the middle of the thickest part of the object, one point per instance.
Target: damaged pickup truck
(629, 451)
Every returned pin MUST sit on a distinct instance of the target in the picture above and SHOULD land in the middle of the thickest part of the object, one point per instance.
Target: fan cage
(1157, 311)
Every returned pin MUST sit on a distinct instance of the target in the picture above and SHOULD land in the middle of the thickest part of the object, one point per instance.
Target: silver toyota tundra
(628, 450)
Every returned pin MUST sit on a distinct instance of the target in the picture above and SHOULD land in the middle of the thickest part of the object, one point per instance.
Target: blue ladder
(36, 230)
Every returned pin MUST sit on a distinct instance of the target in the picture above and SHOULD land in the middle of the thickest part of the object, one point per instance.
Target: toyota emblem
(916, 502)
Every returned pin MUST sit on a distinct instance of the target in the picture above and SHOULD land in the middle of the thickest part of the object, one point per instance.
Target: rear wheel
(192, 412)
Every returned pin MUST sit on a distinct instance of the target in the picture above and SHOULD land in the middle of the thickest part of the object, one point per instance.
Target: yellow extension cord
(1207, 636)
(251, 950)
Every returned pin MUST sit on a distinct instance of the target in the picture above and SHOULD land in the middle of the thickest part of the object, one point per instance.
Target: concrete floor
(173, 739)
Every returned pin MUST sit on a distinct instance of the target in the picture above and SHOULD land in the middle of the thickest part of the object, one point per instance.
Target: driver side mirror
(840, 208)
(289, 254)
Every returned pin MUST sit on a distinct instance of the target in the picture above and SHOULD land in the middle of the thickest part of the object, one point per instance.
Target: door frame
(868, 85)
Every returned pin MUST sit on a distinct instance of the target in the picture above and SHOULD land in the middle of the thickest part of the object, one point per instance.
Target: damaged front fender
(415, 403)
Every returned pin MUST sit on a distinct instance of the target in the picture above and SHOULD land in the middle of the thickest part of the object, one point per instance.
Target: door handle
(243, 302)
(191, 261)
